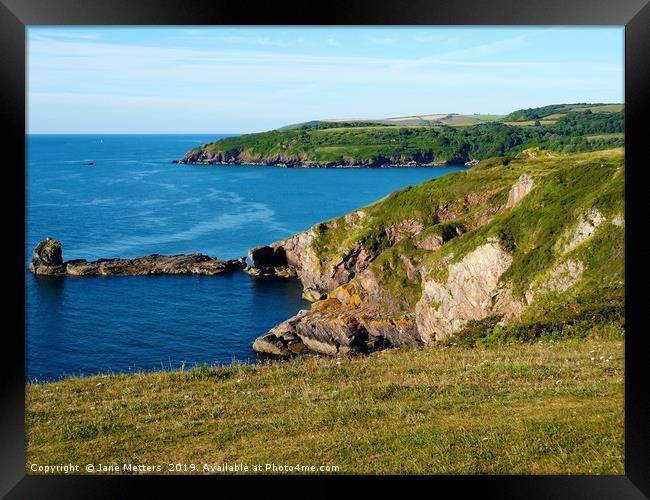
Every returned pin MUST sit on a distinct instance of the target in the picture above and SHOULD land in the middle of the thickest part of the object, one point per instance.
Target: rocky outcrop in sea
(47, 259)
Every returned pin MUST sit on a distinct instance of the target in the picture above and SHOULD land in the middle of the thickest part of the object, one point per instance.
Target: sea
(133, 200)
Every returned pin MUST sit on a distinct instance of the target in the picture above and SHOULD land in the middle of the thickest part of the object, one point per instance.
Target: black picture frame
(15, 15)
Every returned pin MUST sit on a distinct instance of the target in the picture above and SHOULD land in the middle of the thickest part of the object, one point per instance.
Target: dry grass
(604, 136)
(530, 123)
(552, 408)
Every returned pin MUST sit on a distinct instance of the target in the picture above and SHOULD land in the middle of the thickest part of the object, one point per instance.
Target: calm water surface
(134, 201)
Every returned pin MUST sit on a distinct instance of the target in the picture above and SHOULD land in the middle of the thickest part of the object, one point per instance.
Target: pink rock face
(301, 256)
(406, 227)
(317, 276)
(519, 190)
(296, 248)
(354, 218)
(431, 242)
(506, 304)
(467, 294)
(449, 211)
(354, 261)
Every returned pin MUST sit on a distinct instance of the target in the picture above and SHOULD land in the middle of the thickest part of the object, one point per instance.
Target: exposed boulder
(48, 253)
(281, 340)
(412, 272)
(330, 328)
(326, 329)
(355, 218)
(384, 333)
(449, 211)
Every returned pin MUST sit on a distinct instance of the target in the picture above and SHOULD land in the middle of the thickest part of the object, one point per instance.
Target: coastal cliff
(512, 247)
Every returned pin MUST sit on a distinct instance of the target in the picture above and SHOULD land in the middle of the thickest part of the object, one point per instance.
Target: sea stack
(47, 258)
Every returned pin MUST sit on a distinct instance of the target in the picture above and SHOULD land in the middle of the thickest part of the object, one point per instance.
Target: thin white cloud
(427, 38)
(256, 76)
(71, 57)
(65, 34)
(478, 52)
(261, 41)
(384, 40)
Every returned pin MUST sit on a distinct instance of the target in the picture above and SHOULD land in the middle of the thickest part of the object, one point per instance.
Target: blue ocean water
(134, 201)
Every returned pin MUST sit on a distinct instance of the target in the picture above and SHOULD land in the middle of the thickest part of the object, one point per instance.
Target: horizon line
(622, 103)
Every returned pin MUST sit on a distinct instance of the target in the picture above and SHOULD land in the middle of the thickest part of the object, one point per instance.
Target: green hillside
(451, 139)
(555, 111)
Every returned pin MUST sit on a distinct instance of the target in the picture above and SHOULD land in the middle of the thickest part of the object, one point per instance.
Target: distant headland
(424, 140)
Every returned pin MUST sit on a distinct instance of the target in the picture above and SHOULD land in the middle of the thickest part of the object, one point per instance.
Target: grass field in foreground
(544, 408)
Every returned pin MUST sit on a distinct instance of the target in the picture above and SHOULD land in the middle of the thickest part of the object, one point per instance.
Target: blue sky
(232, 80)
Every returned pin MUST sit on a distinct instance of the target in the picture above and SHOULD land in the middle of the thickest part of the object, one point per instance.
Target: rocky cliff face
(469, 293)
(418, 266)
(204, 156)
(296, 256)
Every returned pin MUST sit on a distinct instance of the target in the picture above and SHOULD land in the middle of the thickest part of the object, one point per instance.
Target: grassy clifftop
(548, 408)
(565, 128)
